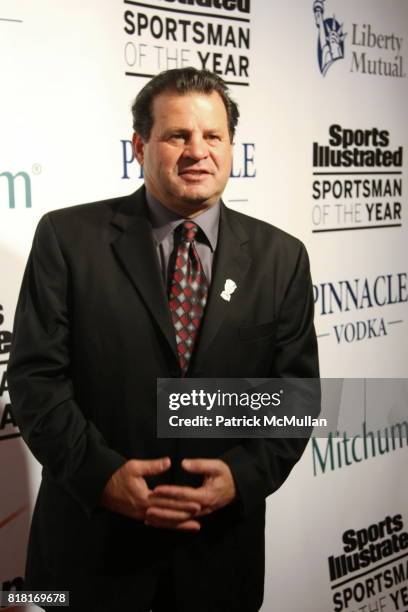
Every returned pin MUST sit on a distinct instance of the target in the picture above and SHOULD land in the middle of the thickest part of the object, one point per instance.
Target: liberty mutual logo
(330, 42)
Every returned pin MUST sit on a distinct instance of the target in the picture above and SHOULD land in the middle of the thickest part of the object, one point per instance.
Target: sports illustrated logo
(330, 42)
(357, 180)
(159, 37)
(8, 427)
(372, 561)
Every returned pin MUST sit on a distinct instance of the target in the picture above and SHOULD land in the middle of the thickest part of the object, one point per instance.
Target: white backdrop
(65, 125)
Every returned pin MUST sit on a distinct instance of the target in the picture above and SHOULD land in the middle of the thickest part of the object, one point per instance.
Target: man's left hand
(218, 490)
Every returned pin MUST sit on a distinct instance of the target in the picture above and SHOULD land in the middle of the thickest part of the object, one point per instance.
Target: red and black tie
(188, 294)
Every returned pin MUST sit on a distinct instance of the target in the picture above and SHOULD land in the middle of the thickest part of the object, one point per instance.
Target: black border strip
(348, 229)
(9, 436)
(350, 173)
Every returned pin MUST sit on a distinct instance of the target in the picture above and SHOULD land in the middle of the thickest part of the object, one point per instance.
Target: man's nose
(197, 147)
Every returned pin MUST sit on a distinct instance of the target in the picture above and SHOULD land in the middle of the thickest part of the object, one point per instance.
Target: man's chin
(197, 204)
(186, 201)
(195, 199)
(199, 196)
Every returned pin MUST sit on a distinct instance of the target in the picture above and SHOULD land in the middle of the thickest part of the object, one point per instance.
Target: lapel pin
(229, 289)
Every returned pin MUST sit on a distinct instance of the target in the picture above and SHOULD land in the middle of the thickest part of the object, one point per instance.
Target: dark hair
(182, 81)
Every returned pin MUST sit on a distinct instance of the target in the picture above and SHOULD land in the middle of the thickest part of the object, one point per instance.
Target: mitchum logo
(330, 42)
(15, 187)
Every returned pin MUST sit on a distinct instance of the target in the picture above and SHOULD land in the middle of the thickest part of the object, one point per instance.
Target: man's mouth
(190, 172)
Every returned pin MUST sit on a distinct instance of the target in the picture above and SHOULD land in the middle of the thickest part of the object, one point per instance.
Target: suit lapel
(232, 262)
(135, 249)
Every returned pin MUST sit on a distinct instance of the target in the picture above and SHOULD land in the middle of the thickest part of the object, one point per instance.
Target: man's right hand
(127, 493)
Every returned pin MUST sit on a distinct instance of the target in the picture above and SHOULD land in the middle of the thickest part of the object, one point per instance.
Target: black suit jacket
(92, 333)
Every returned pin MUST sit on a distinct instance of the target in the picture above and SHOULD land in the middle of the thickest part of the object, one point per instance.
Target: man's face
(187, 159)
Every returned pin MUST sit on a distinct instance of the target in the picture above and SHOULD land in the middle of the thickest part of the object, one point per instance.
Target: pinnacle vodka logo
(330, 41)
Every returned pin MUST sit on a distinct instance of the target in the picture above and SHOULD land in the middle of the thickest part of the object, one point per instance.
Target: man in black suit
(124, 519)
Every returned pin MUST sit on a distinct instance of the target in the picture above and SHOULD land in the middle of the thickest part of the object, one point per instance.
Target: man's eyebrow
(175, 128)
(168, 131)
(213, 130)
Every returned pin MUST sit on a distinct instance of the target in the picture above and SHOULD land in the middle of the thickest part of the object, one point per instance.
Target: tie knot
(188, 231)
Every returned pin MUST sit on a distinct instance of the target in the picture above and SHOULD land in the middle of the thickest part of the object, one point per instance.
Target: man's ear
(138, 147)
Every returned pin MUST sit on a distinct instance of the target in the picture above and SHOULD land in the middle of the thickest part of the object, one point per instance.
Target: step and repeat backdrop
(320, 152)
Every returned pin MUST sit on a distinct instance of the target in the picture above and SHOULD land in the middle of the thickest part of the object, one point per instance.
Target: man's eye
(213, 137)
(177, 137)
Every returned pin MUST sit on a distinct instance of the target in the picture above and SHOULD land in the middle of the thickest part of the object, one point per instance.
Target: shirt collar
(164, 221)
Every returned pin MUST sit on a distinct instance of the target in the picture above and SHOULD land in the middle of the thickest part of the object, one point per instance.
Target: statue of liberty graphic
(331, 38)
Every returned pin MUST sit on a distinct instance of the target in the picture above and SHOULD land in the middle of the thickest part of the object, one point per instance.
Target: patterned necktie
(188, 294)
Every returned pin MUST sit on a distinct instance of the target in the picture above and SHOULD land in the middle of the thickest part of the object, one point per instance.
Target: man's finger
(166, 514)
(162, 501)
(205, 511)
(151, 467)
(202, 466)
(189, 525)
(186, 494)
